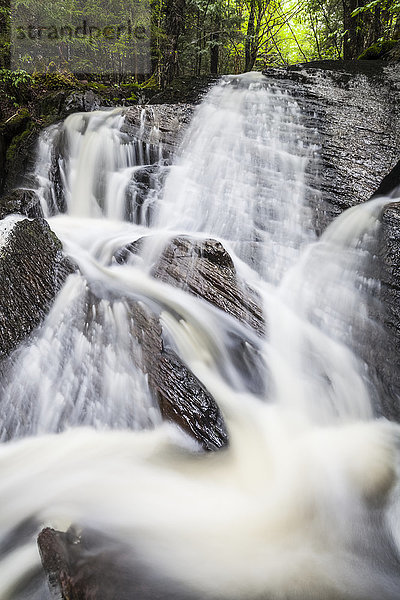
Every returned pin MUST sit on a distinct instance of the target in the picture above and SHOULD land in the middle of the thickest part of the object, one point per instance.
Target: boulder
(85, 101)
(205, 269)
(32, 270)
(180, 395)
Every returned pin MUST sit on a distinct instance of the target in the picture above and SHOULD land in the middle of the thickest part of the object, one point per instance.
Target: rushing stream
(304, 502)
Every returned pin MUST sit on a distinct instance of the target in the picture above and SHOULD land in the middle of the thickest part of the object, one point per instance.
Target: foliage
(197, 38)
(16, 85)
(378, 50)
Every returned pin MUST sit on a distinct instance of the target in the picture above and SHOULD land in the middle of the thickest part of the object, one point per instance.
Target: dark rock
(124, 254)
(32, 270)
(388, 355)
(160, 126)
(90, 566)
(205, 269)
(143, 191)
(355, 107)
(181, 396)
(21, 201)
(390, 183)
(82, 102)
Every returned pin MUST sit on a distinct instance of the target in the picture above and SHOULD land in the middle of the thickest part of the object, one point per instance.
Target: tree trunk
(214, 48)
(174, 22)
(5, 59)
(249, 40)
(356, 30)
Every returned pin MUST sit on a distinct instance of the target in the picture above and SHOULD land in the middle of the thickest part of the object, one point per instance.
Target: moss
(56, 81)
(17, 141)
(15, 123)
(99, 87)
(378, 50)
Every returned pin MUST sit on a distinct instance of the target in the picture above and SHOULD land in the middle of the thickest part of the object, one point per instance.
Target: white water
(304, 502)
(241, 174)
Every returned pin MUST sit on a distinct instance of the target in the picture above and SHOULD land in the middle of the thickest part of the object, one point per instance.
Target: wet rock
(355, 108)
(389, 184)
(388, 355)
(205, 269)
(32, 270)
(160, 126)
(90, 566)
(82, 102)
(21, 201)
(142, 193)
(180, 395)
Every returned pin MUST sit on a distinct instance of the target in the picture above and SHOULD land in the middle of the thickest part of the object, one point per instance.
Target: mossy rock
(15, 123)
(18, 141)
(378, 51)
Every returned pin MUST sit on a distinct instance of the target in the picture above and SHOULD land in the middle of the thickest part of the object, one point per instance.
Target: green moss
(99, 87)
(14, 124)
(18, 141)
(377, 50)
(56, 81)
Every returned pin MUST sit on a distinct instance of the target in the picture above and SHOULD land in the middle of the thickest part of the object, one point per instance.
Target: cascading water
(242, 174)
(303, 504)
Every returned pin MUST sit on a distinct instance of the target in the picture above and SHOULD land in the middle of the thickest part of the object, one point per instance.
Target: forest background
(205, 37)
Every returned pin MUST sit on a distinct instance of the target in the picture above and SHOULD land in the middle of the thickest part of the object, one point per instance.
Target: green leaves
(367, 8)
(15, 84)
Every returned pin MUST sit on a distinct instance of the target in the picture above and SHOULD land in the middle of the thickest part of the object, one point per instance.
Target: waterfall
(303, 503)
(241, 174)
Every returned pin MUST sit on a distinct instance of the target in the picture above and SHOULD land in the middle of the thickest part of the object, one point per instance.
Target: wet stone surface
(355, 108)
(32, 270)
(22, 201)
